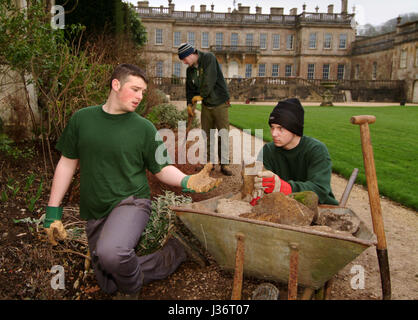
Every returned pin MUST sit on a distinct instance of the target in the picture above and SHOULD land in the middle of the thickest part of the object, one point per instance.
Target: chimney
(242, 9)
(212, 7)
(143, 4)
(258, 10)
(331, 8)
(293, 11)
(276, 11)
(192, 8)
(344, 5)
(170, 5)
(316, 9)
(229, 10)
(202, 8)
(304, 7)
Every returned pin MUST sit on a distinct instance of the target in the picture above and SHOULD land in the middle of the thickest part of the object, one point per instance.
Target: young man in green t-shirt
(114, 146)
(294, 162)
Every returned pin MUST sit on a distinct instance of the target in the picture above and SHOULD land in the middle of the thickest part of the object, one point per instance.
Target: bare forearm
(63, 176)
(170, 175)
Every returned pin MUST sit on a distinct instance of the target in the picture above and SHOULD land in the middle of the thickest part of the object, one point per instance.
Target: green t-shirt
(307, 167)
(114, 151)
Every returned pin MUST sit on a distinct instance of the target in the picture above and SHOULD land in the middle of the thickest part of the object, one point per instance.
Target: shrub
(167, 116)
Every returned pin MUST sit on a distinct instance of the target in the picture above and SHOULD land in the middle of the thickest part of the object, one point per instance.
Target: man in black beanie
(293, 162)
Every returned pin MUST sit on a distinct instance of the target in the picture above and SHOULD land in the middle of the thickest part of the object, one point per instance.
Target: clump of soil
(342, 222)
(278, 208)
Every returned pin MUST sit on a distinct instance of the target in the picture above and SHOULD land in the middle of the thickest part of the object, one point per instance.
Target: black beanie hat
(289, 114)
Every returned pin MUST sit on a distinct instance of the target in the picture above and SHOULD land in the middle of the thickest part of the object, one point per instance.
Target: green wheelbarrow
(270, 251)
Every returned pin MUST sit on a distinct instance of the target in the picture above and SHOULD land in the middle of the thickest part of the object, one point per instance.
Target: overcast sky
(367, 11)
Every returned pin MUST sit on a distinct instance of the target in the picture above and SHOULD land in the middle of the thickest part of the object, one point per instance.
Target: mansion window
(177, 38)
(205, 39)
(340, 71)
(325, 71)
(374, 71)
(276, 41)
(248, 70)
(158, 36)
(416, 56)
(288, 70)
(357, 72)
(263, 40)
(176, 69)
(311, 71)
(262, 70)
(159, 69)
(234, 40)
(312, 41)
(191, 38)
(343, 41)
(275, 70)
(289, 42)
(219, 40)
(404, 55)
(249, 39)
(327, 41)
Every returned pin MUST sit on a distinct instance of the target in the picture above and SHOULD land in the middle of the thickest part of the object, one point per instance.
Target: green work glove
(200, 182)
(52, 214)
(53, 225)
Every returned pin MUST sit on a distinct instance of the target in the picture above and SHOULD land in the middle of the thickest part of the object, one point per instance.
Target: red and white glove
(268, 182)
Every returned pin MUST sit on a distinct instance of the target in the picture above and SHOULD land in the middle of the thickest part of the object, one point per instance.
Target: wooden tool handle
(363, 119)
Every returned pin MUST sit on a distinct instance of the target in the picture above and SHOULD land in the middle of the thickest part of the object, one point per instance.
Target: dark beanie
(185, 50)
(289, 114)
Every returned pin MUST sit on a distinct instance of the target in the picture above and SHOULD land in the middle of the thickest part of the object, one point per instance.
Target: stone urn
(327, 96)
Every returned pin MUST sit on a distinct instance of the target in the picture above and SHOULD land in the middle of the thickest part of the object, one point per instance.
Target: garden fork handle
(374, 199)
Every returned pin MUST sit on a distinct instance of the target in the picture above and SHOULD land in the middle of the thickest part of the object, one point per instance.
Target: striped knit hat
(185, 50)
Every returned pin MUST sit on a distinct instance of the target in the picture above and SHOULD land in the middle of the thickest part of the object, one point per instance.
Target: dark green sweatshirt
(206, 81)
(305, 167)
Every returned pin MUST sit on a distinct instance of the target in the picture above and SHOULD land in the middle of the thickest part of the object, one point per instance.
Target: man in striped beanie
(205, 82)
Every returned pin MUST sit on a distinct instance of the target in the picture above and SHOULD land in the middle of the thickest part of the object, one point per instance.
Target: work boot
(226, 169)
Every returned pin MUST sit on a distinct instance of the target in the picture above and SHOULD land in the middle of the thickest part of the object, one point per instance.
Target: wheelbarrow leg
(307, 293)
(327, 289)
(239, 267)
(293, 272)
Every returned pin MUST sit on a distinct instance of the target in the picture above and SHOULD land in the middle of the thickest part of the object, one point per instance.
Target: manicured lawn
(394, 137)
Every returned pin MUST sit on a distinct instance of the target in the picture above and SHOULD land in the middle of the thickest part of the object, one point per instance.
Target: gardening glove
(190, 110)
(53, 225)
(200, 182)
(268, 182)
(195, 99)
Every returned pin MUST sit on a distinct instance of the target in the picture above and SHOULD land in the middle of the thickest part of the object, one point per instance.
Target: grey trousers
(112, 241)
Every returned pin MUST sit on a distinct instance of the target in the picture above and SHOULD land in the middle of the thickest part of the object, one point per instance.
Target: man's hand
(267, 181)
(56, 231)
(53, 225)
(200, 182)
(191, 110)
(195, 99)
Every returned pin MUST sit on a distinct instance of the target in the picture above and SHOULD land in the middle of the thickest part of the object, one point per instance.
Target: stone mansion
(311, 46)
